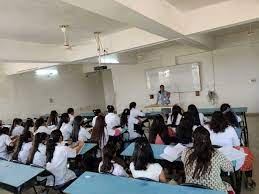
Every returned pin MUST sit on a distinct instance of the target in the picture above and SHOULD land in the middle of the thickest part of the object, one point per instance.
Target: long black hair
(55, 137)
(143, 154)
(28, 124)
(195, 113)
(53, 118)
(64, 119)
(4, 130)
(98, 134)
(16, 122)
(124, 117)
(78, 121)
(229, 115)
(176, 110)
(185, 129)
(108, 154)
(110, 108)
(39, 122)
(158, 127)
(23, 138)
(132, 105)
(37, 140)
(218, 122)
(201, 153)
(97, 112)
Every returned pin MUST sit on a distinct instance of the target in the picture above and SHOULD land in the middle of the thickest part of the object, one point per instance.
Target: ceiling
(38, 21)
(189, 5)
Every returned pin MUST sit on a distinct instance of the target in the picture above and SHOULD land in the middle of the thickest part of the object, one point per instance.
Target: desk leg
(246, 131)
(19, 190)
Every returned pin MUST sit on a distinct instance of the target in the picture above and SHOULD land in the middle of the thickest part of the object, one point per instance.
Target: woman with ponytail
(22, 149)
(142, 165)
(65, 126)
(38, 152)
(29, 126)
(80, 133)
(16, 128)
(57, 158)
(41, 127)
(203, 164)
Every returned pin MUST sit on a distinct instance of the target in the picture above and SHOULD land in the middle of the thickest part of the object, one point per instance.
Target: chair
(195, 185)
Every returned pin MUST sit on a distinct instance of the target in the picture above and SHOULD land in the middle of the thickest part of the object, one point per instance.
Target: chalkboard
(177, 78)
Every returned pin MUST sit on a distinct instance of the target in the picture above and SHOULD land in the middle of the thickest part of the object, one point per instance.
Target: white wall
(108, 88)
(236, 62)
(27, 95)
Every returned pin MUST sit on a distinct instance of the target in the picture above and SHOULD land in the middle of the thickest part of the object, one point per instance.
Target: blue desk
(157, 149)
(87, 147)
(94, 183)
(16, 175)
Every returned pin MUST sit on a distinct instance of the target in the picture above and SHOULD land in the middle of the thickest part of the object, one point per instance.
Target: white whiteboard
(178, 78)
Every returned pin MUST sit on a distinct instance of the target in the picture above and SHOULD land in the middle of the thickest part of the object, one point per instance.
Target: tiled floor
(253, 125)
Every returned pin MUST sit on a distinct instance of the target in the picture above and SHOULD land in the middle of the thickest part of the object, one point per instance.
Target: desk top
(87, 147)
(15, 174)
(237, 110)
(94, 183)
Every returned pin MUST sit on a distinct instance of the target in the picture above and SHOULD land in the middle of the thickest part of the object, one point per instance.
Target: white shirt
(153, 171)
(83, 134)
(228, 138)
(43, 129)
(40, 156)
(5, 141)
(134, 113)
(58, 165)
(111, 121)
(72, 117)
(170, 119)
(24, 153)
(66, 130)
(203, 119)
(117, 170)
(94, 120)
(18, 130)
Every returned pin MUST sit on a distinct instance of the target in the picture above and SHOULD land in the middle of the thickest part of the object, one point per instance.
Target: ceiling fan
(66, 41)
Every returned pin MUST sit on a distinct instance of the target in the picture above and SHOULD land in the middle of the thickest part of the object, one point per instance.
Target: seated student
(185, 129)
(100, 132)
(71, 113)
(199, 118)
(203, 164)
(125, 118)
(65, 126)
(53, 120)
(40, 126)
(142, 165)
(96, 112)
(79, 133)
(112, 120)
(231, 117)
(5, 141)
(134, 119)
(57, 156)
(159, 132)
(175, 117)
(37, 154)
(108, 165)
(22, 149)
(29, 125)
(222, 134)
(16, 128)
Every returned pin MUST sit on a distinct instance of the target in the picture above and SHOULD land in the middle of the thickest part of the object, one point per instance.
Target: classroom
(119, 96)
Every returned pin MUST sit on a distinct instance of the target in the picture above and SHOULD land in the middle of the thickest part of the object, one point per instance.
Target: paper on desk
(172, 153)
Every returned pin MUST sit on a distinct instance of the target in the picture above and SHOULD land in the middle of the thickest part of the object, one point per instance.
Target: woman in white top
(199, 118)
(100, 132)
(175, 117)
(221, 134)
(65, 126)
(80, 133)
(22, 149)
(96, 112)
(71, 114)
(142, 165)
(112, 120)
(5, 141)
(134, 119)
(16, 128)
(38, 152)
(41, 127)
(57, 156)
(108, 165)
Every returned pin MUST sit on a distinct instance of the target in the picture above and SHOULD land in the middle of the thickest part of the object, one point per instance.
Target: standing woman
(80, 133)
(203, 164)
(57, 159)
(199, 118)
(65, 126)
(112, 120)
(125, 118)
(134, 118)
(16, 128)
(96, 112)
